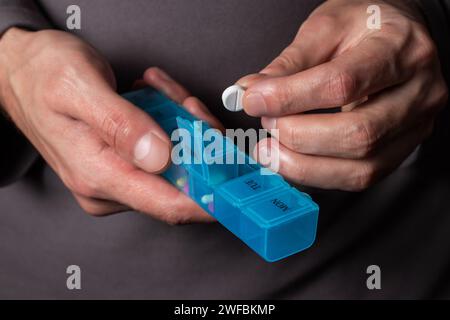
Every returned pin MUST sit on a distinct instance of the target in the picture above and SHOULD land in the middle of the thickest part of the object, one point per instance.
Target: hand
(388, 81)
(61, 94)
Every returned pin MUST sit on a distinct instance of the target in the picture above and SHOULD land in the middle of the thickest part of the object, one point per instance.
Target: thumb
(133, 134)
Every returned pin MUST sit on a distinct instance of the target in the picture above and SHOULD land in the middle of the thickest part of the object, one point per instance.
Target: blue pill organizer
(259, 207)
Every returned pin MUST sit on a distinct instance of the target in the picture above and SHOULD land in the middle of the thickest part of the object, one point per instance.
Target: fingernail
(263, 155)
(269, 123)
(255, 104)
(269, 156)
(265, 152)
(151, 153)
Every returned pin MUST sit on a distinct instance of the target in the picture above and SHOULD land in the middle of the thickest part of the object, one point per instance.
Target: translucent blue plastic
(264, 211)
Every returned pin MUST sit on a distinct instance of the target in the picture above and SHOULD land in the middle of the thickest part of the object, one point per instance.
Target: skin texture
(61, 94)
(388, 81)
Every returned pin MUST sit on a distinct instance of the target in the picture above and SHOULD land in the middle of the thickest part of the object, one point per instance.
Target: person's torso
(206, 45)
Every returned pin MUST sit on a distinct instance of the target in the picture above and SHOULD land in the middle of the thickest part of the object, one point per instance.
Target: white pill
(232, 98)
(207, 198)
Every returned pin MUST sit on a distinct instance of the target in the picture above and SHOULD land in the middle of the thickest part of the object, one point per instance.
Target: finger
(314, 44)
(153, 195)
(100, 178)
(133, 134)
(357, 73)
(98, 207)
(147, 193)
(194, 106)
(357, 133)
(345, 174)
(161, 81)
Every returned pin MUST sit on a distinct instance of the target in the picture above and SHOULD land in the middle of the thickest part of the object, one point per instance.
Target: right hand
(61, 94)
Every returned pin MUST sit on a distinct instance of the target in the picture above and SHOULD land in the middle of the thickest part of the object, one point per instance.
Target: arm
(17, 154)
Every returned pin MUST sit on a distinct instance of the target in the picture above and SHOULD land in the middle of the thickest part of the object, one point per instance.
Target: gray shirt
(401, 224)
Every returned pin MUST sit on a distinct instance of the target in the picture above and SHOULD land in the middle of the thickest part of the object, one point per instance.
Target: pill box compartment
(178, 176)
(271, 217)
(201, 192)
(204, 191)
(282, 224)
(212, 157)
(233, 195)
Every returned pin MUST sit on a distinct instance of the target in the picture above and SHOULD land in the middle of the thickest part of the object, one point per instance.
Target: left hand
(335, 60)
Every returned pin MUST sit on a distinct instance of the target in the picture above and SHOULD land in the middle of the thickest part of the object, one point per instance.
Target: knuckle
(441, 95)
(360, 138)
(426, 51)
(341, 87)
(280, 98)
(84, 187)
(287, 61)
(398, 29)
(407, 36)
(437, 100)
(364, 177)
(426, 55)
(93, 209)
(85, 190)
(116, 128)
(299, 174)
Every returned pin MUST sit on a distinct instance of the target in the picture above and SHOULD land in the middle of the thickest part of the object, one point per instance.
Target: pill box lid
(280, 207)
(213, 146)
(146, 98)
(157, 104)
(242, 190)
